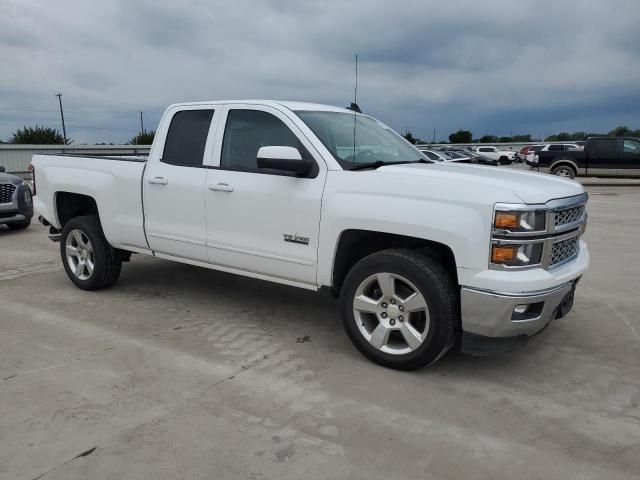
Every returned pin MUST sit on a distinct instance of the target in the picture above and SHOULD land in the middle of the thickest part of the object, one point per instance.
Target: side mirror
(2, 170)
(286, 159)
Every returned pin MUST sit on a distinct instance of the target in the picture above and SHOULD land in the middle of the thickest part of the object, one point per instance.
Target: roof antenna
(354, 105)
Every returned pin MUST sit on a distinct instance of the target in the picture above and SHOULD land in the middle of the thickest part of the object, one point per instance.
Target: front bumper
(492, 314)
(19, 209)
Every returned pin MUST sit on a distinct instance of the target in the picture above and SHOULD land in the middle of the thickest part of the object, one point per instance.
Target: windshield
(370, 140)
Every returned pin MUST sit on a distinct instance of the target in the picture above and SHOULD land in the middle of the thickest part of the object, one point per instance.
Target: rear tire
(399, 308)
(90, 262)
(564, 171)
(19, 226)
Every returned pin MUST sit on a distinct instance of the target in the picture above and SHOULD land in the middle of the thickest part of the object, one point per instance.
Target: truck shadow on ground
(277, 308)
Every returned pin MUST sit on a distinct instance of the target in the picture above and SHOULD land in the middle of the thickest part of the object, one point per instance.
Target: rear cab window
(187, 138)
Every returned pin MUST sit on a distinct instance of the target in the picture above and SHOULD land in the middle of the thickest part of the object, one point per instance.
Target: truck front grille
(567, 216)
(6, 192)
(564, 250)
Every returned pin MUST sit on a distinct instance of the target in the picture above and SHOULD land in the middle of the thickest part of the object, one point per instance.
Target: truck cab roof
(291, 105)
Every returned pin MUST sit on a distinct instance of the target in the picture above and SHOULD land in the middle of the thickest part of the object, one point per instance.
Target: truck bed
(114, 182)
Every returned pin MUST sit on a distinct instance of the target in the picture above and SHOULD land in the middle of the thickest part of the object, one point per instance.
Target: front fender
(461, 227)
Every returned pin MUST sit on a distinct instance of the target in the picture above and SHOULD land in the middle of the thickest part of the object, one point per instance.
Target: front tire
(90, 262)
(399, 308)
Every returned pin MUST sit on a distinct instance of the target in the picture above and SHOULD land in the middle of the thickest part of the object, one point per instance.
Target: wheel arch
(70, 205)
(355, 244)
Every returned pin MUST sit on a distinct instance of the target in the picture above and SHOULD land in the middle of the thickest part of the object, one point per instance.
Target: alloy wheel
(391, 313)
(80, 256)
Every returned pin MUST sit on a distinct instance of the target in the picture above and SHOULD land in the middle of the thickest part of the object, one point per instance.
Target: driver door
(261, 221)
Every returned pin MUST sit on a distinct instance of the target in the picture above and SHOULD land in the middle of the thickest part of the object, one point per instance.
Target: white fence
(16, 158)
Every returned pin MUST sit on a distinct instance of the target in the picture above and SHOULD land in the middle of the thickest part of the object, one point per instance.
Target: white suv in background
(531, 157)
(503, 157)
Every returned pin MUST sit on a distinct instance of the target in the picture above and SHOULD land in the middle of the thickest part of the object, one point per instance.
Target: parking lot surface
(181, 372)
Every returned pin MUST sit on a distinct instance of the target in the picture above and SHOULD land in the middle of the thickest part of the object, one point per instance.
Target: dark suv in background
(16, 207)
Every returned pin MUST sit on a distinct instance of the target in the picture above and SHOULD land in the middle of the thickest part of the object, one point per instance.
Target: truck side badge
(295, 238)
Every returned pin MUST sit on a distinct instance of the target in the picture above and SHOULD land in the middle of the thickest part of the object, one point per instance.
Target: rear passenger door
(603, 157)
(174, 185)
(629, 165)
(261, 221)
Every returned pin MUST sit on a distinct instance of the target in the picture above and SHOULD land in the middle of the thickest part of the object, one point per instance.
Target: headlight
(517, 254)
(26, 193)
(525, 221)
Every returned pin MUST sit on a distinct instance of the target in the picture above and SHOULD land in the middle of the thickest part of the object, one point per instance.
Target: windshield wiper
(380, 163)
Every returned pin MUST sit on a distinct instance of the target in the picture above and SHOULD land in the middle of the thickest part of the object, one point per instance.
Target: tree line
(40, 135)
(465, 136)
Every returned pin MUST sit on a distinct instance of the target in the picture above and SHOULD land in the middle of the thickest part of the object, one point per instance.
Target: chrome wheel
(80, 256)
(563, 172)
(391, 313)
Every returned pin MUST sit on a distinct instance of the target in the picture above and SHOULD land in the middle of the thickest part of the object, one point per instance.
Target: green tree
(461, 136)
(38, 136)
(522, 138)
(488, 139)
(410, 138)
(143, 138)
(621, 132)
(560, 137)
(505, 139)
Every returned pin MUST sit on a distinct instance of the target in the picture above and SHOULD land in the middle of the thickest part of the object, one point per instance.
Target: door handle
(221, 187)
(158, 181)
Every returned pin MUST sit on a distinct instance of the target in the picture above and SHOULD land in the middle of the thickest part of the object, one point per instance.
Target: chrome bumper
(492, 314)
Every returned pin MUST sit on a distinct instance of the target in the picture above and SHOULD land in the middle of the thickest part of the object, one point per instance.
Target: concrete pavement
(181, 372)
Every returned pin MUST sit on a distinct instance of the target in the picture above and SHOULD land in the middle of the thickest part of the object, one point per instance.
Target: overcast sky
(521, 66)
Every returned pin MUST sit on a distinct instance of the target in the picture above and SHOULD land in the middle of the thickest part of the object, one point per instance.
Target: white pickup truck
(502, 157)
(422, 255)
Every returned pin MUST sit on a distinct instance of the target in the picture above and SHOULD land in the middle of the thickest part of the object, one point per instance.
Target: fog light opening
(521, 309)
(524, 312)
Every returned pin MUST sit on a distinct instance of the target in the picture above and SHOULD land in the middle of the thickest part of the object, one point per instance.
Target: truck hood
(529, 187)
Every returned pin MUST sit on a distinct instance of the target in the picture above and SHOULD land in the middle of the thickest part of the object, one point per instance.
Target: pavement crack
(80, 455)
(27, 372)
(620, 315)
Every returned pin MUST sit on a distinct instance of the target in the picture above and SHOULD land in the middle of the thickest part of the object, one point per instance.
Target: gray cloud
(493, 67)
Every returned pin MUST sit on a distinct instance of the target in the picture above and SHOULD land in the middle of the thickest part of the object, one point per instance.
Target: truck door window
(632, 146)
(187, 137)
(604, 149)
(246, 132)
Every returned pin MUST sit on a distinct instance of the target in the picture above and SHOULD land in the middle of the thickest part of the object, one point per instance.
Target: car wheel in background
(564, 171)
(399, 308)
(90, 262)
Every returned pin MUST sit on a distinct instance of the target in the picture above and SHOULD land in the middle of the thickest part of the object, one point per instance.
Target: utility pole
(141, 123)
(64, 130)
(434, 135)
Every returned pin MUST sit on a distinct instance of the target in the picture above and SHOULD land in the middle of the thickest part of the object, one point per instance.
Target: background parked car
(16, 206)
(472, 156)
(532, 158)
(601, 156)
(503, 157)
(444, 156)
(526, 153)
